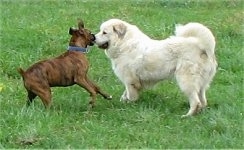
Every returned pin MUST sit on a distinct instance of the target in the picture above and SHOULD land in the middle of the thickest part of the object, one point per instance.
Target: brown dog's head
(81, 37)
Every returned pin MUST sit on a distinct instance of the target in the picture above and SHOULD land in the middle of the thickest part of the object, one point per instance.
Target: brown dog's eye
(81, 32)
(104, 32)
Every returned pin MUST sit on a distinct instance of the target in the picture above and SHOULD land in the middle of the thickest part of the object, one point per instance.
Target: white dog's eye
(104, 32)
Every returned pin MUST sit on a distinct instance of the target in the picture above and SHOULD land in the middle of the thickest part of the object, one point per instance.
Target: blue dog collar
(80, 49)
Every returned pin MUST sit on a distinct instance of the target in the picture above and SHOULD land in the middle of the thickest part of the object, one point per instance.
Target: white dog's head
(110, 32)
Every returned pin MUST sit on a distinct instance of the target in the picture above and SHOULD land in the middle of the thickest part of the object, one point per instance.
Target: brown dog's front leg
(98, 90)
(83, 83)
(105, 95)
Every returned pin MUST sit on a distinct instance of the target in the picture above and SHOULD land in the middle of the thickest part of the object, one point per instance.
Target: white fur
(140, 61)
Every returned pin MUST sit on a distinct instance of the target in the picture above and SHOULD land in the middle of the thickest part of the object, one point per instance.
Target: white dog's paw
(123, 98)
(185, 116)
(126, 100)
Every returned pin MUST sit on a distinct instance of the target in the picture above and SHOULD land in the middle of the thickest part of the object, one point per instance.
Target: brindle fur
(65, 70)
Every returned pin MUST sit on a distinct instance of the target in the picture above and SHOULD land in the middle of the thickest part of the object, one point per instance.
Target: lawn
(32, 30)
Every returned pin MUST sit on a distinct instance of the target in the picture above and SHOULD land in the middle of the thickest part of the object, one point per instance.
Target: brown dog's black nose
(93, 37)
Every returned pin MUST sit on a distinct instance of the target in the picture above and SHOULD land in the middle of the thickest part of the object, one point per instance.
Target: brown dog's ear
(80, 24)
(71, 31)
(120, 29)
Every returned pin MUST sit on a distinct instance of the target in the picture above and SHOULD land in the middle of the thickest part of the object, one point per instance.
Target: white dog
(140, 61)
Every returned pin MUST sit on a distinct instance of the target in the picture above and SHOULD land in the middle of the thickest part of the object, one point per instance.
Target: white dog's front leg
(130, 94)
(124, 96)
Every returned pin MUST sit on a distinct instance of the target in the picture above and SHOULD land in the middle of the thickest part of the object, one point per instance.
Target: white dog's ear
(120, 29)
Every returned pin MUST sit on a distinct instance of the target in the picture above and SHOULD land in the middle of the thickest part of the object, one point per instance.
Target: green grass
(38, 29)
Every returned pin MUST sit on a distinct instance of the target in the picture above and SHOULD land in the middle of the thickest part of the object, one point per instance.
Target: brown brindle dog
(65, 70)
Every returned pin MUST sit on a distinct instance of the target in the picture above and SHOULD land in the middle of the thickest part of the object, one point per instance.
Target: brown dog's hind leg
(46, 98)
(31, 96)
(45, 94)
(98, 90)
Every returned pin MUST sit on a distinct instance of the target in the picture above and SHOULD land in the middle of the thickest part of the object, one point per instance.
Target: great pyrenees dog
(141, 62)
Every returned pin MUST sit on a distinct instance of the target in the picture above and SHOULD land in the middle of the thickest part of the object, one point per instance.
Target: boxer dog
(65, 70)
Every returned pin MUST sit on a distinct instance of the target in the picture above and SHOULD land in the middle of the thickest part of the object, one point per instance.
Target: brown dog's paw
(109, 97)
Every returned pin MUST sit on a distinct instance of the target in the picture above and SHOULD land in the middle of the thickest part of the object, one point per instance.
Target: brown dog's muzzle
(93, 38)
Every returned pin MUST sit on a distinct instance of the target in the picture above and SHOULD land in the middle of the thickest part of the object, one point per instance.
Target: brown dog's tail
(21, 72)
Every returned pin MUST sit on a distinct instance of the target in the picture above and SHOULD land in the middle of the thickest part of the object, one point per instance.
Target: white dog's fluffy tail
(200, 32)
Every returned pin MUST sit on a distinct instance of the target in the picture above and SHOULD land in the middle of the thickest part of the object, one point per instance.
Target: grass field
(38, 29)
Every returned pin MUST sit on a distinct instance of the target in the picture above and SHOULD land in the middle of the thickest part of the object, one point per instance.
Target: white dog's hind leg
(189, 85)
(202, 97)
(195, 104)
